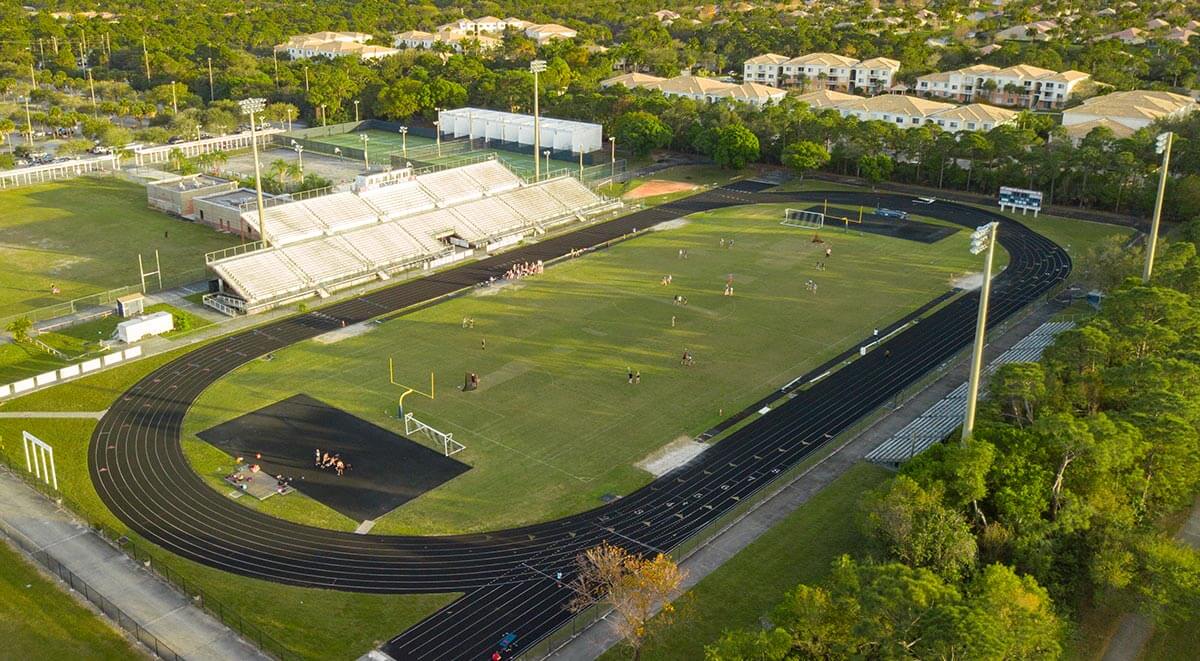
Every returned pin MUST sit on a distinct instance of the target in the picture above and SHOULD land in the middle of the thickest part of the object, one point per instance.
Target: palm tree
(218, 159)
(278, 169)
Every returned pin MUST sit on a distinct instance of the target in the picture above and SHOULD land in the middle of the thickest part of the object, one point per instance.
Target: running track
(142, 475)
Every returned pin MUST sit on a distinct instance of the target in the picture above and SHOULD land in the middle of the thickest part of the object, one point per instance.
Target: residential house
(548, 32)
(456, 41)
(1134, 109)
(763, 68)
(1128, 36)
(666, 16)
(1181, 35)
(631, 80)
(333, 44)
(1077, 132)
(1035, 31)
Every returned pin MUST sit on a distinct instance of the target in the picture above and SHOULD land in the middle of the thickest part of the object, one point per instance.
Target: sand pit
(658, 187)
(671, 456)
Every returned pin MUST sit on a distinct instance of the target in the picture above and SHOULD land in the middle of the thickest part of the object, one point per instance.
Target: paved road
(142, 475)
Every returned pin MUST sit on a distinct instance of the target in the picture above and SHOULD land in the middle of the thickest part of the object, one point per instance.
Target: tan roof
(938, 77)
(824, 59)
(752, 92)
(897, 104)
(415, 35)
(1068, 76)
(767, 58)
(691, 85)
(1081, 130)
(632, 80)
(489, 19)
(1024, 71)
(880, 63)
(978, 112)
(552, 28)
(976, 69)
(826, 98)
(1145, 104)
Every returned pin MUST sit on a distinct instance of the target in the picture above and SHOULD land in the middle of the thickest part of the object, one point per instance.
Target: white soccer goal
(804, 218)
(449, 445)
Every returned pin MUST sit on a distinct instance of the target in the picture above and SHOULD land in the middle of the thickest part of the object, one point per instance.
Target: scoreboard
(1021, 198)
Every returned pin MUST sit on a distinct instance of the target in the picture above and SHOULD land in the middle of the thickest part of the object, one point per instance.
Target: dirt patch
(658, 187)
(967, 281)
(348, 332)
(671, 456)
(497, 287)
(670, 225)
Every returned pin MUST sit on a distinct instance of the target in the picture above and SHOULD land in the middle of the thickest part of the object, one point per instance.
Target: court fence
(768, 489)
(160, 569)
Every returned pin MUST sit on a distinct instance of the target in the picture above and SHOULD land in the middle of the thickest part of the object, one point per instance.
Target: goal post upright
(408, 390)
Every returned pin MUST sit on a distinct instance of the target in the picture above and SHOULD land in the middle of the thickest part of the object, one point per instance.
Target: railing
(224, 304)
(232, 251)
(81, 587)
(163, 571)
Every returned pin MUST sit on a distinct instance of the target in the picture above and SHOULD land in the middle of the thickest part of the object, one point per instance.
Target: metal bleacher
(940, 420)
(322, 243)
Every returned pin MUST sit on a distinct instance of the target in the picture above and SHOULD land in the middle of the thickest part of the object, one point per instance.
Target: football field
(555, 426)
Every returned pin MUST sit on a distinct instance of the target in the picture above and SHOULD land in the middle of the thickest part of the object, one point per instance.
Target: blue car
(891, 213)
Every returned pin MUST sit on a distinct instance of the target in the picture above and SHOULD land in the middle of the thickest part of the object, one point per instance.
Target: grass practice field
(555, 425)
(38, 620)
(84, 236)
(382, 144)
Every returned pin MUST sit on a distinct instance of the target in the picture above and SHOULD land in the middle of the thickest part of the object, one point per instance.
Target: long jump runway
(509, 576)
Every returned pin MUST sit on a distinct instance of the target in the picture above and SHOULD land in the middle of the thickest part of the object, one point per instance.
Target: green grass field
(700, 175)
(555, 425)
(38, 620)
(84, 235)
(798, 549)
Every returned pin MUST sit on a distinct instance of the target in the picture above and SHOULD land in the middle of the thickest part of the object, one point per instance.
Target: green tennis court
(382, 145)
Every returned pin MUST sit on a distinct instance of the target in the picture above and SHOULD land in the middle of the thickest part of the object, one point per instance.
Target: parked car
(891, 213)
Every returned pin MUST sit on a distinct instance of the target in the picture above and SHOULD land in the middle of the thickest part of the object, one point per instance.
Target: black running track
(142, 475)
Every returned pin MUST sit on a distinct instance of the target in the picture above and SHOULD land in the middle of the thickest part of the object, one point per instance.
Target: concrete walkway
(90, 415)
(1135, 630)
(597, 639)
(154, 605)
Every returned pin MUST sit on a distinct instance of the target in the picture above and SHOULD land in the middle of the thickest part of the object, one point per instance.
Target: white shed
(151, 324)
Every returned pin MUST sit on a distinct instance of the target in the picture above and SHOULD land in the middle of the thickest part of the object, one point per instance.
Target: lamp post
(983, 239)
(438, 135)
(1162, 146)
(212, 89)
(249, 107)
(299, 148)
(306, 79)
(92, 87)
(290, 110)
(356, 110)
(404, 141)
(174, 101)
(323, 122)
(581, 162)
(366, 161)
(612, 143)
(28, 122)
(545, 154)
(537, 66)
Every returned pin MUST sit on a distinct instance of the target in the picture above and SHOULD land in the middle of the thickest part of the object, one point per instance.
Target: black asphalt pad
(386, 469)
(912, 230)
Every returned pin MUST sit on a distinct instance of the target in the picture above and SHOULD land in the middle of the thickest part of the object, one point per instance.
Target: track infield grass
(84, 236)
(555, 425)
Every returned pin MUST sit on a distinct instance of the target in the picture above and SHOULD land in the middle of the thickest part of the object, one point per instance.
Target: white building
(547, 32)
(456, 41)
(910, 111)
(556, 134)
(1020, 85)
(763, 69)
(333, 44)
(1134, 109)
(822, 71)
(699, 88)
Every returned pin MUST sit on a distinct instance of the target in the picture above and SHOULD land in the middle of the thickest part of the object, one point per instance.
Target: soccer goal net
(449, 445)
(804, 218)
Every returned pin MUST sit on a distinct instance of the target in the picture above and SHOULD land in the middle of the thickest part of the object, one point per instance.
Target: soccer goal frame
(803, 218)
(449, 445)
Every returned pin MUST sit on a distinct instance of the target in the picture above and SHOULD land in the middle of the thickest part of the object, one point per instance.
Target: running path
(89, 415)
(142, 475)
(155, 606)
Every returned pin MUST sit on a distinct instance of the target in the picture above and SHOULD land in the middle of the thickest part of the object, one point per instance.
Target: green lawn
(700, 175)
(799, 549)
(38, 620)
(84, 236)
(555, 426)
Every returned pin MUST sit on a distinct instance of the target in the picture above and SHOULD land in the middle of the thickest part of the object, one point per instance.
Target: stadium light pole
(1162, 146)
(249, 107)
(612, 143)
(28, 123)
(437, 132)
(537, 66)
(581, 162)
(404, 141)
(982, 240)
(174, 101)
(546, 154)
(323, 116)
(306, 79)
(356, 110)
(366, 161)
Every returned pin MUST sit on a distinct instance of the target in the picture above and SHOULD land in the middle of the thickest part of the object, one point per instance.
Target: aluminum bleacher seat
(326, 260)
(286, 223)
(261, 276)
(434, 225)
(572, 193)
(387, 244)
(398, 200)
(534, 204)
(492, 216)
(450, 186)
(493, 177)
(341, 211)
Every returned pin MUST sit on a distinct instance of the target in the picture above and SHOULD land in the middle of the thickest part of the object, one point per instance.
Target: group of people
(680, 299)
(726, 243)
(667, 279)
(811, 286)
(729, 285)
(327, 461)
(524, 269)
(687, 360)
(634, 376)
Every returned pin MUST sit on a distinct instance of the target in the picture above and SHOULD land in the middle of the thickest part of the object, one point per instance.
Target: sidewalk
(155, 607)
(597, 639)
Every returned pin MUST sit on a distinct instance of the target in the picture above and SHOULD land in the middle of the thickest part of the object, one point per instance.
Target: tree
(20, 329)
(805, 156)
(399, 100)
(634, 586)
(1168, 580)
(875, 167)
(735, 147)
(1019, 388)
(641, 132)
(913, 525)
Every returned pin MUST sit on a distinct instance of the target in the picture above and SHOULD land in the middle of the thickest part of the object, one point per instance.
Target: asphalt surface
(508, 576)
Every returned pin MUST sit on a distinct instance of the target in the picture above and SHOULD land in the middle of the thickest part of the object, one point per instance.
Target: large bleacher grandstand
(319, 245)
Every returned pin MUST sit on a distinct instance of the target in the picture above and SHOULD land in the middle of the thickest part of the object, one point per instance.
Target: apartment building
(699, 88)
(456, 41)
(333, 44)
(1020, 85)
(1134, 109)
(821, 71)
(911, 111)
